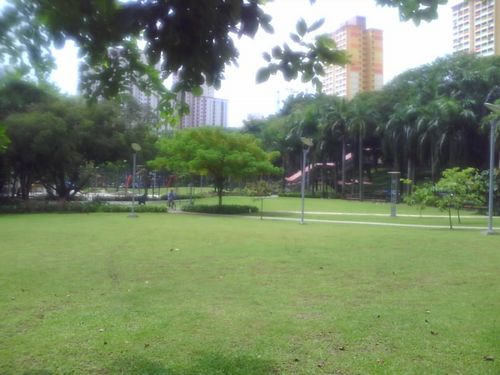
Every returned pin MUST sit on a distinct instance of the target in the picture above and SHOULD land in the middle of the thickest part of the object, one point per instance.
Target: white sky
(405, 46)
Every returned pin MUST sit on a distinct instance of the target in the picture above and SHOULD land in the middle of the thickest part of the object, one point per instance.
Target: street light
(136, 147)
(307, 144)
(495, 108)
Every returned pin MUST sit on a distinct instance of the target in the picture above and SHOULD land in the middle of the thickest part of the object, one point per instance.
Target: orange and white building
(365, 71)
(476, 27)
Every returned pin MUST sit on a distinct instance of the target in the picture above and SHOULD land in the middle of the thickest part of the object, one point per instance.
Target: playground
(198, 294)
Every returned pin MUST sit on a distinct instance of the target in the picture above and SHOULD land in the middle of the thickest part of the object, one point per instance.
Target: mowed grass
(355, 211)
(187, 294)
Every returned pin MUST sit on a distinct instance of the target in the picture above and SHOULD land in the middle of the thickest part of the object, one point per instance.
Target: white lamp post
(307, 144)
(394, 192)
(495, 109)
(136, 147)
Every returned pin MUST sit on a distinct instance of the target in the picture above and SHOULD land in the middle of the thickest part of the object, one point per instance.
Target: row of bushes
(76, 207)
(34, 206)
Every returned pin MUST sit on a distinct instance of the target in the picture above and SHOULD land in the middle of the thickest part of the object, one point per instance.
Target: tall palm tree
(357, 125)
(336, 118)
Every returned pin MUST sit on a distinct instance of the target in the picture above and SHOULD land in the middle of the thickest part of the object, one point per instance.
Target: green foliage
(232, 209)
(25, 47)
(424, 121)
(58, 141)
(261, 188)
(216, 153)
(4, 139)
(308, 60)
(458, 188)
(461, 187)
(415, 10)
(36, 206)
(421, 197)
(108, 34)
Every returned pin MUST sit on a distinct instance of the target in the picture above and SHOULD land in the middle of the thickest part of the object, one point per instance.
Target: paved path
(380, 215)
(350, 222)
(368, 223)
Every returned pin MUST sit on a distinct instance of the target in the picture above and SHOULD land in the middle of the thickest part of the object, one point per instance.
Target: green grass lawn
(355, 211)
(194, 294)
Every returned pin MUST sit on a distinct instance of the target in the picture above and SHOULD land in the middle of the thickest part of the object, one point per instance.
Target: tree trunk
(360, 161)
(433, 171)
(343, 167)
(25, 185)
(219, 187)
(408, 176)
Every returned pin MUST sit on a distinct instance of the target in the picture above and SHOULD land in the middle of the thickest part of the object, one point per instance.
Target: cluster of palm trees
(424, 121)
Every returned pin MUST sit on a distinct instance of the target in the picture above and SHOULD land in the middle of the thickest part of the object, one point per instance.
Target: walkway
(350, 222)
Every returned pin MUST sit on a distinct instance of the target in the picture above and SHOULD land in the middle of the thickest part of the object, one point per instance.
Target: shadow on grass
(206, 364)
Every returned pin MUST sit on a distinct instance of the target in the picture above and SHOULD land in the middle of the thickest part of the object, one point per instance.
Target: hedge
(74, 207)
(232, 209)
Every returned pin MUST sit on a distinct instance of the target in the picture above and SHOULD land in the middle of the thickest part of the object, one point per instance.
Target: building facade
(204, 110)
(476, 27)
(365, 70)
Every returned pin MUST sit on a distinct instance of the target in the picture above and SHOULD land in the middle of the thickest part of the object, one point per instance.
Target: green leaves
(214, 152)
(301, 27)
(316, 25)
(307, 60)
(263, 75)
(4, 139)
(415, 10)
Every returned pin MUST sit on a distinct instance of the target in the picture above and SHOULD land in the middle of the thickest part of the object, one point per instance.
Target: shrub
(76, 207)
(232, 209)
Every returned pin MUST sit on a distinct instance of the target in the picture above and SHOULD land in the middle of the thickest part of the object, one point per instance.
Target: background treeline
(424, 121)
(61, 142)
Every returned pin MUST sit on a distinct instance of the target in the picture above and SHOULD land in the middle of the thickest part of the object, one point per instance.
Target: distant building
(365, 71)
(476, 27)
(204, 110)
(150, 100)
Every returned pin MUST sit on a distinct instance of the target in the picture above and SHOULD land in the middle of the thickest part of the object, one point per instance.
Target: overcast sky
(405, 46)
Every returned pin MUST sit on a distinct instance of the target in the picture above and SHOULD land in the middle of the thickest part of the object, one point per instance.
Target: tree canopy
(57, 141)
(191, 38)
(216, 153)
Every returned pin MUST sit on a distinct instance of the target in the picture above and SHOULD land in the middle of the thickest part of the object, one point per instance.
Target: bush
(232, 209)
(73, 207)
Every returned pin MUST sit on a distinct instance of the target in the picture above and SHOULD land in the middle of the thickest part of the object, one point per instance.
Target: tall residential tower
(365, 70)
(476, 27)
(204, 110)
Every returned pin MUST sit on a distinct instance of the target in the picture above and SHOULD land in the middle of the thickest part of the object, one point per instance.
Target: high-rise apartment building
(204, 110)
(365, 70)
(476, 27)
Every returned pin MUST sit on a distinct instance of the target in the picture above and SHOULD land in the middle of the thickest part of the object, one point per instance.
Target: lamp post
(495, 108)
(307, 144)
(394, 191)
(136, 147)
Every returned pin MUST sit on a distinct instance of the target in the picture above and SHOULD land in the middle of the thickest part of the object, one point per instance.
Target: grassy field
(355, 211)
(184, 294)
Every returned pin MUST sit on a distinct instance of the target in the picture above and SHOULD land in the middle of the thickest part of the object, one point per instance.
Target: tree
(216, 153)
(109, 32)
(459, 187)
(336, 121)
(58, 143)
(362, 119)
(422, 196)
